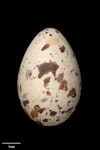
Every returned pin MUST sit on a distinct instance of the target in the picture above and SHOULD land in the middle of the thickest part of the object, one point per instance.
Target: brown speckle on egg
(25, 102)
(50, 34)
(62, 49)
(69, 110)
(63, 85)
(48, 93)
(45, 120)
(28, 74)
(44, 99)
(60, 77)
(76, 74)
(56, 100)
(72, 70)
(46, 81)
(63, 112)
(45, 47)
(41, 110)
(72, 93)
(57, 31)
(68, 103)
(53, 113)
(40, 123)
(59, 107)
(24, 95)
(45, 68)
(57, 119)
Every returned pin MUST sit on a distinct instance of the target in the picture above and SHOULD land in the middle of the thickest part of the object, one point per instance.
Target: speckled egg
(49, 79)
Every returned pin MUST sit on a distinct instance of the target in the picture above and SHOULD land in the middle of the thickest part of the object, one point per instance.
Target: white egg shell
(49, 80)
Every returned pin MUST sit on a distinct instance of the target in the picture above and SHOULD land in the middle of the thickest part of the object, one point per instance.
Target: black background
(19, 26)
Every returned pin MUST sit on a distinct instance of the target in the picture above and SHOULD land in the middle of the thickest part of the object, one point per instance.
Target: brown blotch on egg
(34, 113)
(45, 47)
(62, 49)
(72, 93)
(25, 102)
(45, 120)
(46, 81)
(63, 85)
(38, 109)
(53, 113)
(45, 68)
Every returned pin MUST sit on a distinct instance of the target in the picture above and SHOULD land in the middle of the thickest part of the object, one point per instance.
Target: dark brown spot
(60, 77)
(50, 34)
(45, 120)
(57, 120)
(40, 123)
(48, 93)
(24, 96)
(45, 47)
(59, 107)
(41, 110)
(76, 74)
(46, 113)
(63, 112)
(20, 88)
(45, 68)
(44, 99)
(25, 102)
(72, 70)
(34, 113)
(72, 93)
(46, 32)
(63, 85)
(57, 31)
(62, 49)
(61, 60)
(53, 113)
(46, 81)
(28, 74)
(69, 102)
(56, 100)
(69, 110)
(38, 109)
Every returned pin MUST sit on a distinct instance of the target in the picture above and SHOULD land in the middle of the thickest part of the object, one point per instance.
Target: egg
(49, 79)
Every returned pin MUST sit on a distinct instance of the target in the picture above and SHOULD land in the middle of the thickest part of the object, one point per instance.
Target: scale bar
(11, 142)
